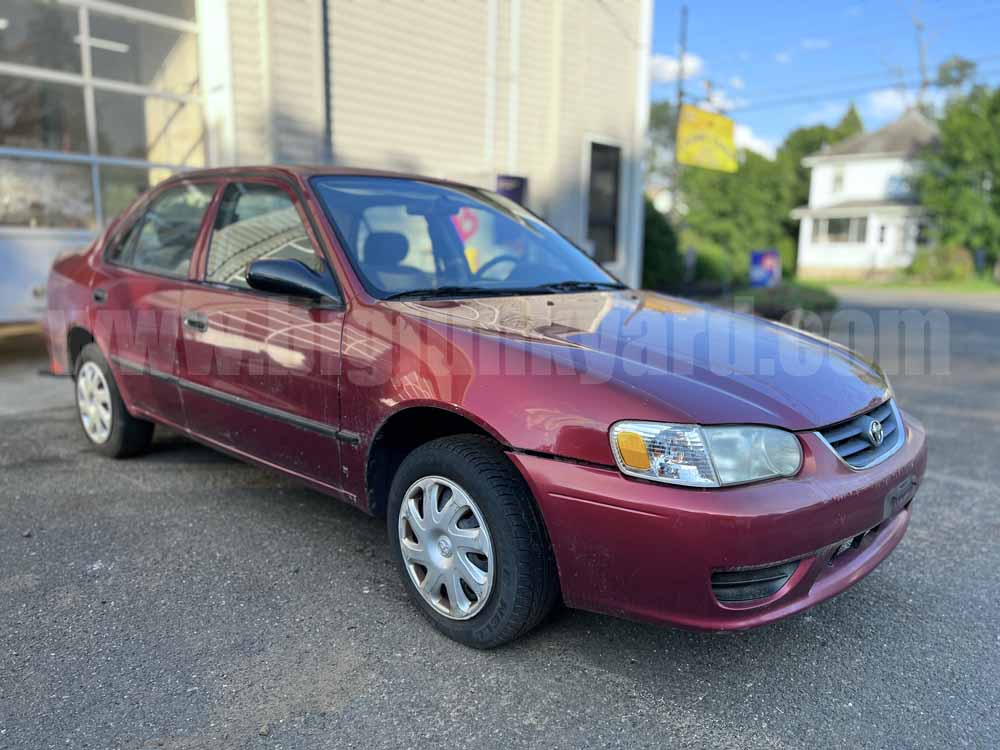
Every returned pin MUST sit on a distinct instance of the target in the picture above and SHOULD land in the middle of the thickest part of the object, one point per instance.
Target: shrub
(775, 303)
(942, 263)
(662, 265)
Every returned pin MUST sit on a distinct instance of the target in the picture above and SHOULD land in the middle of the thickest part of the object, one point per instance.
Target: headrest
(386, 249)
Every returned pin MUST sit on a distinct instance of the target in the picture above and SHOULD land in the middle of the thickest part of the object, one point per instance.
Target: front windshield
(407, 237)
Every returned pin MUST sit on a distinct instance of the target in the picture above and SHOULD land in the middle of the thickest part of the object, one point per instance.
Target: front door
(261, 372)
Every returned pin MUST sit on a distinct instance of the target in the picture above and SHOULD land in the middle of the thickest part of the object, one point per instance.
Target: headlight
(695, 456)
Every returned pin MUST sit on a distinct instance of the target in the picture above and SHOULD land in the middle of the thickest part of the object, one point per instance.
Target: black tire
(129, 436)
(526, 584)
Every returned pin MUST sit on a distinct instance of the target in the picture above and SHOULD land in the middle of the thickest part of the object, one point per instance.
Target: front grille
(747, 585)
(850, 440)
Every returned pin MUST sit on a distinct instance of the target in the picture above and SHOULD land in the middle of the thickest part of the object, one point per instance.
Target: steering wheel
(494, 261)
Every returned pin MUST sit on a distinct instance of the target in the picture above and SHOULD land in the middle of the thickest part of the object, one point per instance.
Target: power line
(871, 31)
(805, 98)
(870, 76)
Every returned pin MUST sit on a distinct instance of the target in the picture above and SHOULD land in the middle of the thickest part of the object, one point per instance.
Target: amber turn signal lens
(632, 449)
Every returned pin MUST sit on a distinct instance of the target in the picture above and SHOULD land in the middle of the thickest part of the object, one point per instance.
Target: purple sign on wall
(513, 187)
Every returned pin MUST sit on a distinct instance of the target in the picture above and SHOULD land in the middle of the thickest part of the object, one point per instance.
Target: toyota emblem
(875, 433)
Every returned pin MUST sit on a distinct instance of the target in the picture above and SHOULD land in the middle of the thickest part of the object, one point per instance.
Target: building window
(41, 115)
(840, 230)
(46, 195)
(898, 188)
(40, 34)
(602, 206)
(136, 72)
(838, 180)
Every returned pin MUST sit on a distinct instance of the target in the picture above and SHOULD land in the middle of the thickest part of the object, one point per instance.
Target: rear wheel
(105, 420)
(469, 541)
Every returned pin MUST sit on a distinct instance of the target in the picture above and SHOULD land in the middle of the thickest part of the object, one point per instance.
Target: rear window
(162, 241)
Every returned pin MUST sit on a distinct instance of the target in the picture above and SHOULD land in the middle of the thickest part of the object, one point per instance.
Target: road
(184, 600)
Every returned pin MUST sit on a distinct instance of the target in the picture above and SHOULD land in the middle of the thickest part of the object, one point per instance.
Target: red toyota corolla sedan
(531, 429)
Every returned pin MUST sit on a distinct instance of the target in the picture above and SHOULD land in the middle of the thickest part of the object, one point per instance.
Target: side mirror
(289, 277)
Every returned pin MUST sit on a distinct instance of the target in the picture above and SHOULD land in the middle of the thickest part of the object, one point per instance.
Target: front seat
(383, 262)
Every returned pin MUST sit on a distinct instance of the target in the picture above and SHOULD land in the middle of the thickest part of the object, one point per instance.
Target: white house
(863, 217)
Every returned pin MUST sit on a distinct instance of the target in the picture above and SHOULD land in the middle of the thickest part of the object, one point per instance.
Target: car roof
(305, 171)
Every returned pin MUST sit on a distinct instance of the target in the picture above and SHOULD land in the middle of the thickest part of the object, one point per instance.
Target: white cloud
(737, 83)
(826, 114)
(720, 101)
(889, 102)
(812, 43)
(665, 68)
(744, 137)
(783, 58)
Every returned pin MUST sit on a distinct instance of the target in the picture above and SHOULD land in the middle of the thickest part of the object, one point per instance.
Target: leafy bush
(662, 265)
(775, 303)
(942, 263)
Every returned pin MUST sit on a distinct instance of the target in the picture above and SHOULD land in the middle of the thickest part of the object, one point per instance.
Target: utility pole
(675, 178)
(918, 26)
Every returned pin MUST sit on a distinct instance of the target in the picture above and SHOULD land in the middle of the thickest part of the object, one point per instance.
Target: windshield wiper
(579, 286)
(478, 291)
(461, 291)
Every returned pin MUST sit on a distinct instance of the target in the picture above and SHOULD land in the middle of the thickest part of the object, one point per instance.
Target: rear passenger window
(256, 221)
(163, 240)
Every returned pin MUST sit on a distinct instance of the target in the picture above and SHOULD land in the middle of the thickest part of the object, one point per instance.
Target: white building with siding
(109, 96)
(863, 217)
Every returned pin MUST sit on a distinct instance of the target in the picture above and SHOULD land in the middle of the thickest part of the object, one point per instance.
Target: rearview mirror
(289, 277)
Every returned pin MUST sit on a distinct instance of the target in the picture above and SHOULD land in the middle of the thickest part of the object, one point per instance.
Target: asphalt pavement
(185, 600)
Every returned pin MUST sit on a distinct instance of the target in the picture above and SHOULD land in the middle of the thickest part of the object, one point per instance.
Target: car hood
(697, 363)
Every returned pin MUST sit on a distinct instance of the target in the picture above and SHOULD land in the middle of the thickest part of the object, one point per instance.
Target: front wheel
(469, 541)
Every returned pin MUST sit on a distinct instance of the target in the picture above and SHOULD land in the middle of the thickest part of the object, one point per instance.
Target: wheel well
(401, 434)
(76, 339)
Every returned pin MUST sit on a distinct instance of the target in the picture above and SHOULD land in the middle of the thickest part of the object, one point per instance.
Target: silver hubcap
(446, 547)
(94, 401)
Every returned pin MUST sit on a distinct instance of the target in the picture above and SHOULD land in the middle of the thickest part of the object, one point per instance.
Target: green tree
(955, 72)
(662, 128)
(731, 214)
(959, 183)
(850, 124)
(662, 267)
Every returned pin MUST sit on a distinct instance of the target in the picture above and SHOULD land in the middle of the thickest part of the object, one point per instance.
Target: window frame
(200, 263)
(138, 212)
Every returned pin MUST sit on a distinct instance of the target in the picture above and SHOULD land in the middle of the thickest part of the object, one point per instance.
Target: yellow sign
(705, 139)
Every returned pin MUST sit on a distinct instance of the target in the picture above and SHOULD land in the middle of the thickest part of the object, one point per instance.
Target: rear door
(261, 372)
(137, 295)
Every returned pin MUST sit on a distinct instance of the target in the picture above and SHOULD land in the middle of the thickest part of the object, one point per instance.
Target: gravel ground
(184, 600)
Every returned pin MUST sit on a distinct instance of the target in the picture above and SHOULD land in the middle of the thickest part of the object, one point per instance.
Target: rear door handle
(100, 296)
(196, 322)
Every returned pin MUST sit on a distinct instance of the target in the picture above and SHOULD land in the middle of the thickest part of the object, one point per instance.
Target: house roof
(905, 136)
(857, 208)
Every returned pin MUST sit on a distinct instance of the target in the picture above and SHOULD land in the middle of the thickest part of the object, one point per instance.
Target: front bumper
(648, 551)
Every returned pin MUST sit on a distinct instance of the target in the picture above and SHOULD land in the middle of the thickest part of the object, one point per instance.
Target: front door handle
(196, 321)
(100, 296)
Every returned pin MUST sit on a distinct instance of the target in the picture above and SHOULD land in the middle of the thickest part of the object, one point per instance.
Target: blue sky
(775, 66)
